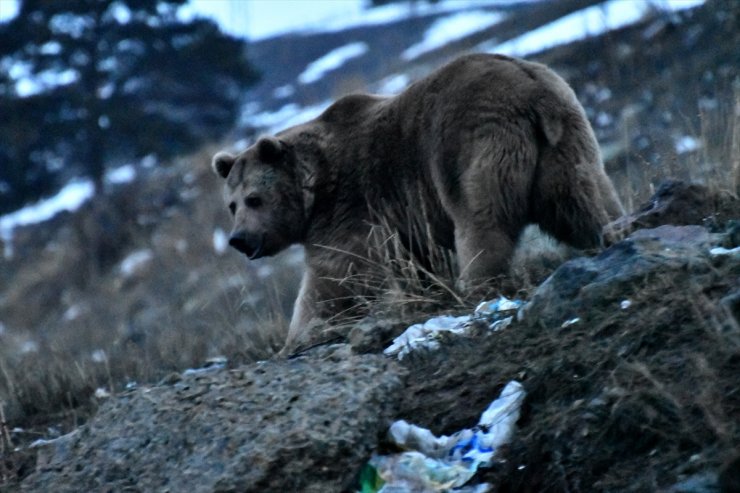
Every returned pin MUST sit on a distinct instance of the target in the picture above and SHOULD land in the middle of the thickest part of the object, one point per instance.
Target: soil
(627, 399)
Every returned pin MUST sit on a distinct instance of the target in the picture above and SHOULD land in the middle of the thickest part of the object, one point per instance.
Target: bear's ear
(270, 150)
(222, 163)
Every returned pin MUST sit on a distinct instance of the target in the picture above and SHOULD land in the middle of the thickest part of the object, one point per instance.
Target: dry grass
(66, 333)
(715, 162)
(389, 281)
(62, 369)
(405, 285)
(127, 330)
(735, 145)
(405, 278)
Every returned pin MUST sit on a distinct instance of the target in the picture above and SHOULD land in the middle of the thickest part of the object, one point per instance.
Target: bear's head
(264, 195)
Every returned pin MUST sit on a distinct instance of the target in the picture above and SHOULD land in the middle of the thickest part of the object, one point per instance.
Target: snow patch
(603, 94)
(332, 61)
(122, 174)
(257, 20)
(394, 84)
(51, 48)
(686, 144)
(451, 28)
(29, 346)
(220, 241)
(272, 118)
(99, 356)
(69, 198)
(591, 21)
(135, 262)
(283, 92)
(120, 12)
(287, 116)
(386, 14)
(149, 161)
(8, 10)
(303, 115)
(582, 24)
(44, 81)
(264, 271)
(72, 313)
(604, 119)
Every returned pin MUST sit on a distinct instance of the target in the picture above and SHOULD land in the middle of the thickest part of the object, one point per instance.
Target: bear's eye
(232, 208)
(253, 202)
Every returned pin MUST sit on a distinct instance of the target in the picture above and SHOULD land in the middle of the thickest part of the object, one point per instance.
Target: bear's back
(350, 109)
(486, 80)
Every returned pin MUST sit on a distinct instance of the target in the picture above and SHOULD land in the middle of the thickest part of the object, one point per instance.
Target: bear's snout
(248, 243)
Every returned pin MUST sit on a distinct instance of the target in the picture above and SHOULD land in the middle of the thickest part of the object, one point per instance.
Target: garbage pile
(446, 463)
(495, 314)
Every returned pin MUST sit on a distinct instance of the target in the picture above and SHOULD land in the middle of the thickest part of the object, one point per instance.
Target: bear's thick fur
(478, 150)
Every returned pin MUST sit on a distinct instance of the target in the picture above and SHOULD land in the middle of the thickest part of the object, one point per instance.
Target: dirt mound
(629, 360)
(677, 202)
(638, 393)
(298, 425)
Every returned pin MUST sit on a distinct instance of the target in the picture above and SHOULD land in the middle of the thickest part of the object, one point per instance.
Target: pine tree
(84, 83)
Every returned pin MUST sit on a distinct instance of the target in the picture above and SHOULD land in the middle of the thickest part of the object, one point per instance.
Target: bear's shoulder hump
(349, 107)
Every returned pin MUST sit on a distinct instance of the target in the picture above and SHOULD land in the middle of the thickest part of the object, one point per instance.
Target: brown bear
(482, 147)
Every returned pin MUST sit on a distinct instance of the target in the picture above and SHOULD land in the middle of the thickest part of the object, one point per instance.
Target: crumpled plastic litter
(724, 251)
(212, 365)
(446, 463)
(497, 313)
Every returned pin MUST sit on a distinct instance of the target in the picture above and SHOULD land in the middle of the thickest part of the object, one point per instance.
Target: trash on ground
(496, 314)
(445, 463)
(724, 251)
(212, 364)
(102, 393)
(43, 442)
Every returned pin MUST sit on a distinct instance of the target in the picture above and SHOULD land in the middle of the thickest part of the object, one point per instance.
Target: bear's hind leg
(493, 210)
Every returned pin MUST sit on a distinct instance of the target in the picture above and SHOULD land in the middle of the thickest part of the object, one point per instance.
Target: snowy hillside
(382, 49)
(298, 85)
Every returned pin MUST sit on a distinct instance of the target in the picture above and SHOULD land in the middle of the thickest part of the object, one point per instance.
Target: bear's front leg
(324, 296)
(483, 255)
(303, 308)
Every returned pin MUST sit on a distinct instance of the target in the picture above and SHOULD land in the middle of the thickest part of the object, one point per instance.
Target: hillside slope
(138, 282)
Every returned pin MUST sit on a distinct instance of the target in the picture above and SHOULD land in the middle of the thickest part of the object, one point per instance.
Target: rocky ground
(629, 360)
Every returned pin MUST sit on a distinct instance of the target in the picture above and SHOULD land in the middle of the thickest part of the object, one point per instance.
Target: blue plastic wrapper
(447, 463)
